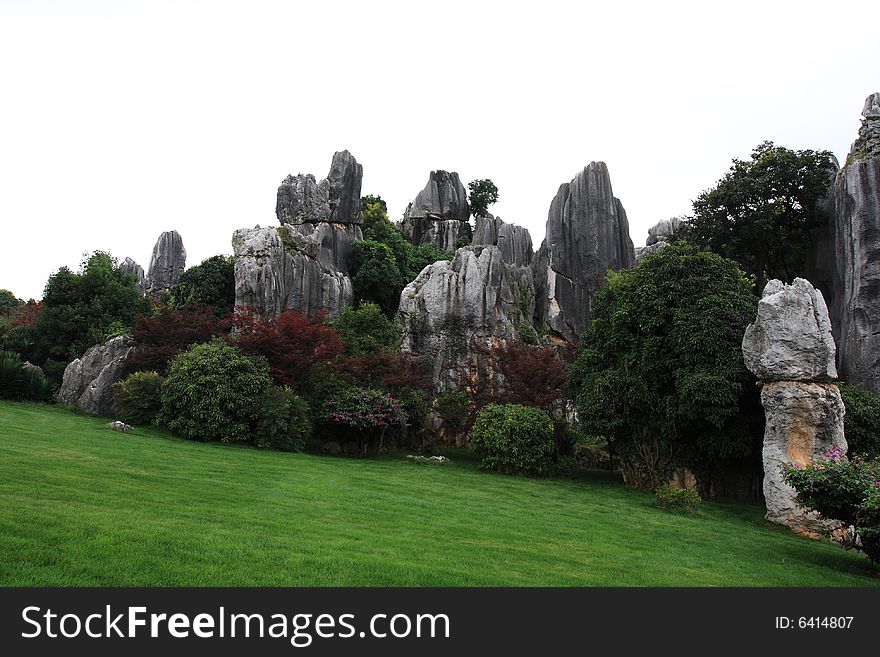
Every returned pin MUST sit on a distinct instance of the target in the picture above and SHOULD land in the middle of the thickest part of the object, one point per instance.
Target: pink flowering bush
(845, 488)
(364, 413)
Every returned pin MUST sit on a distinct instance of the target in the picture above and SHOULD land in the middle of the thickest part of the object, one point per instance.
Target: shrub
(366, 330)
(842, 488)
(514, 439)
(284, 422)
(20, 382)
(138, 398)
(365, 414)
(214, 392)
(679, 499)
(862, 420)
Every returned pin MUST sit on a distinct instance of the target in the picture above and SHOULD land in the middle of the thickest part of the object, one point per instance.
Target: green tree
(375, 275)
(212, 283)
(366, 330)
(83, 309)
(862, 420)
(373, 199)
(481, 194)
(8, 301)
(661, 373)
(514, 439)
(762, 213)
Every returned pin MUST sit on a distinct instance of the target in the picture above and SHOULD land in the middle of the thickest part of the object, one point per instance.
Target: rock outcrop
(88, 381)
(439, 214)
(514, 242)
(167, 263)
(658, 236)
(587, 234)
(790, 349)
(476, 298)
(130, 266)
(304, 263)
(847, 255)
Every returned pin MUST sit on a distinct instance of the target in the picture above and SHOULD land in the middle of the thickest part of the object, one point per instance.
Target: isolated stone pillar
(790, 349)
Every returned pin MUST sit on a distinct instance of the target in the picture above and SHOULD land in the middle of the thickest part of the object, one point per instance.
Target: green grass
(81, 505)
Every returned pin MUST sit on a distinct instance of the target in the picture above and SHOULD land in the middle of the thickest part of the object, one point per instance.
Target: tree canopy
(661, 372)
(481, 194)
(211, 283)
(762, 212)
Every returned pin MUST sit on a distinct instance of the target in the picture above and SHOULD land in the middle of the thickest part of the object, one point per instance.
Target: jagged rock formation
(304, 263)
(130, 266)
(451, 304)
(514, 242)
(439, 214)
(658, 236)
(847, 255)
(587, 234)
(167, 262)
(88, 381)
(790, 348)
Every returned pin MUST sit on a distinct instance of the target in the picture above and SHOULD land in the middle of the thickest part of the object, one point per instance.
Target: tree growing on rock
(763, 211)
(661, 372)
(481, 194)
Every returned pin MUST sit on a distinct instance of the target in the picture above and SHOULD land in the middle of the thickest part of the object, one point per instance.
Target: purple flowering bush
(365, 413)
(845, 488)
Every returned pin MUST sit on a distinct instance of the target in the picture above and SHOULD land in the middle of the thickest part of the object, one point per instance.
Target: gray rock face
(167, 262)
(130, 266)
(790, 348)
(846, 259)
(587, 234)
(514, 242)
(88, 381)
(304, 263)
(791, 338)
(658, 236)
(336, 199)
(439, 214)
(803, 420)
(474, 297)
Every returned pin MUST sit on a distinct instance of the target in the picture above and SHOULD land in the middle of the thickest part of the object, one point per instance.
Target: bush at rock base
(514, 439)
(138, 398)
(844, 488)
(862, 420)
(364, 415)
(214, 392)
(20, 382)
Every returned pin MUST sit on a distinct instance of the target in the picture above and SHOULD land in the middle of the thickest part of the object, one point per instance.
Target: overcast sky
(120, 120)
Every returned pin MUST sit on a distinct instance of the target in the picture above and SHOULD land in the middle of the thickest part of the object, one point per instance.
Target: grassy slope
(82, 505)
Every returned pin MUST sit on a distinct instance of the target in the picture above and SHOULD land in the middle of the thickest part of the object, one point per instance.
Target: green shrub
(366, 330)
(138, 398)
(214, 392)
(514, 439)
(20, 382)
(285, 421)
(679, 499)
(862, 420)
(842, 488)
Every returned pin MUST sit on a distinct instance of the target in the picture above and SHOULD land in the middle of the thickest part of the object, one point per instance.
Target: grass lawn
(81, 505)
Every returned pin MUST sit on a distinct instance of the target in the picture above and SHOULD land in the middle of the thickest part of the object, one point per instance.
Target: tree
(376, 275)
(762, 213)
(373, 199)
(661, 374)
(514, 439)
(212, 283)
(8, 302)
(482, 194)
(295, 346)
(366, 330)
(83, 309)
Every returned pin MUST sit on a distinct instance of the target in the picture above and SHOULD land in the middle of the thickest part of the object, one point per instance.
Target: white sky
(119, 120)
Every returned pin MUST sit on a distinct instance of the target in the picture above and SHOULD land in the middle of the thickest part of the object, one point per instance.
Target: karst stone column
(791, 351)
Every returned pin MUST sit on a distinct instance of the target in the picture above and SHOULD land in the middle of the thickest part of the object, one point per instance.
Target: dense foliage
(211, 283)
(678, 499)
(82, 309)
(214, 392)
(170, 331)
(8, 301)
(661, 372)
(762, 213)
(20, 382)
(862, 420)
(138, 398)
(842, 488)
(481, 194)
(366, 330)
(285, 422)
(514, 439)
(296, 347)
(364, 415)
